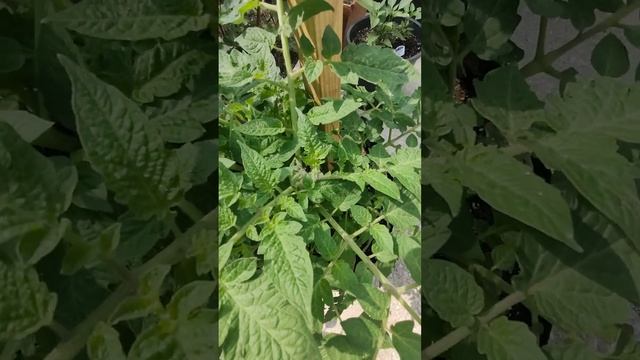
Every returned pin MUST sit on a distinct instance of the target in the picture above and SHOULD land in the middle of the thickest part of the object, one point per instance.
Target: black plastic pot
(365, 23)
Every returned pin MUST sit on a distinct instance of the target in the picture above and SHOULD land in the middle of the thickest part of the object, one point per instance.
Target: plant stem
(286, 54)
(240, 233)
(450, 340)
(386, 284)
(77, 338)
(538, 65)
(268, 6)
(190, 210)
(542, 37)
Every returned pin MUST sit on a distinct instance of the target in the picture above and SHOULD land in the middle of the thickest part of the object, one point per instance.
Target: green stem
(190, 210)
(538, 65)
(268, 6)
(542, 37)
(386, 284)
(450, 340)
(286, 54)
(173, 253)
(240, 233)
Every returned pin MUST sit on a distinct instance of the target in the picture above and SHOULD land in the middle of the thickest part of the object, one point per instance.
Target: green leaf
(288, 263)
(34, 194)
(565, 296)
(374, 302)
(181, 121)
(26, 304)
(13, 56)
(361, 215)
(632, 33)
(124, 20)
(104, 344)
(88, 252)
(610, 57)
(162, 70)
(383, 238)
(312, 68)
(378, 181)
(408, 177)
(452, 292)
(332, 111)
(511, 188)
(410, 251)
(261, 127)
(137, 168)
(592, 164)
(305, 10)
(573, 351)
(190, 297)
(331, 44)
(170, 339)
(504, 98)
(262, 323)
(256, 41)
(603, 107)
(233, 11)
(504, 339)
(489, 25)
(406, 342)
(380, 66)
(292, 208)
(257, 169)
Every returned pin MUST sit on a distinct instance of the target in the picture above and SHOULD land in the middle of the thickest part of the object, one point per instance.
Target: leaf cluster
(530, 224)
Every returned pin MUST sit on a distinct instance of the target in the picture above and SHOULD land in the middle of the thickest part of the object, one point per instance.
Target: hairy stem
(450, 340)
(386, 284)
(286, 54)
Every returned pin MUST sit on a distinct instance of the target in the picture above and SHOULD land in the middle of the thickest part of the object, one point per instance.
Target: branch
(459, 334)
(170, 255)
(538, 65)
(386, 284)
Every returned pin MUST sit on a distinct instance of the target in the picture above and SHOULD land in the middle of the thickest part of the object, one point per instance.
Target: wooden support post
(327, 86)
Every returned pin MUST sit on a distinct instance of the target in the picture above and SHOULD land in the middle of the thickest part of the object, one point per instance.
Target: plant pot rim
(417, 24)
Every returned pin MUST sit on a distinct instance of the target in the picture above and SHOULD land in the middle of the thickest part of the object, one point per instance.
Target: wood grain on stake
(327, 86)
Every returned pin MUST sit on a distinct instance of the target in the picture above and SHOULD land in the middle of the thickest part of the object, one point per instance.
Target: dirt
(412, 43)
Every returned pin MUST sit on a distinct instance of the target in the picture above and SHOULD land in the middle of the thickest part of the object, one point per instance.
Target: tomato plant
(107, 159)
(531, 206)
(308, 218)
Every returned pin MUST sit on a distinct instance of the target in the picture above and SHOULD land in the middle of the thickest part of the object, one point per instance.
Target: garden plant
(531, 206)
(107, 180)
(310, 221)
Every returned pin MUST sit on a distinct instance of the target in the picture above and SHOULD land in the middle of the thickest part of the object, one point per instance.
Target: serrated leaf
(312, 68)
(511, 188)
(332, 111)
(381, 235)
(263, 324)
(407, 177)
(452, 292)
(255, 40)
(261, 127)
(378, 181)
(162, 70)
(288, 263)
(374, 302)
(104, 344)
(124, 20)
(380, 66)
(592, 164)
(504, 339)
(139, 169)
(34, 194)
(257, 169)
(361, 215)
(305, 10)
(26, 304)
(489, 25)
(189, 298)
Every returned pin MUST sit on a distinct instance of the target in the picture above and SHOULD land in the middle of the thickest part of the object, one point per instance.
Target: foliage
(107, 113)
(309, 218)
(389, 20)
(530, 219)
